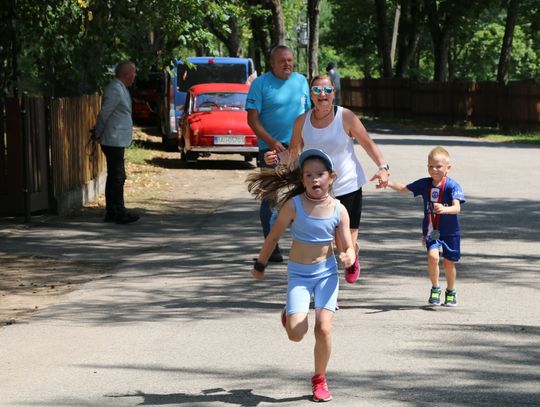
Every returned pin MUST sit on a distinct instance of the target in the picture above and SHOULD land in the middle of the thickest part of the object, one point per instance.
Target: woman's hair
(279, 184)
(319, 77)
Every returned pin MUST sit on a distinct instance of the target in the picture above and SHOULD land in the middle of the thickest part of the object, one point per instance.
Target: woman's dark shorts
(353, 203)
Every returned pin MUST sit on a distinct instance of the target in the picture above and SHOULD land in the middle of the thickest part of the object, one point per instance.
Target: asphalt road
(181, 323)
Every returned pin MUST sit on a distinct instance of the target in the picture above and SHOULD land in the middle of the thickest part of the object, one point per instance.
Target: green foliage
(477, 50)
(476, 38)
(67, 47)
(352, 33)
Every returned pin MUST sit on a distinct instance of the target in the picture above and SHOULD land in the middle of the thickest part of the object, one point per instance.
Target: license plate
(236, 140)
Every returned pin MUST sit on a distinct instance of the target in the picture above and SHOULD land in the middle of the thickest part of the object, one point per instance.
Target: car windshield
(206, 102)
(210, 73)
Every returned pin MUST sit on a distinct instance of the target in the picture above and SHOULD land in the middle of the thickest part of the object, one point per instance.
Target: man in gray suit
(114, 131)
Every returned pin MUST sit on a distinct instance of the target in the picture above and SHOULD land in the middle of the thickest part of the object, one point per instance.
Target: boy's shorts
(450, 246)
(320, 280)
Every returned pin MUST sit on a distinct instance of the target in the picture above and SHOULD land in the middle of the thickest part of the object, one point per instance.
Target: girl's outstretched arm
(285, 217)
(348, 255)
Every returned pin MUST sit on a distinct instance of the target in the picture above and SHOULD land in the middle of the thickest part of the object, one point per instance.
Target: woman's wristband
(259, 266)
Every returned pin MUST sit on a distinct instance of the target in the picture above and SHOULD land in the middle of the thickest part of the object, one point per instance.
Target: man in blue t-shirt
(274, 101)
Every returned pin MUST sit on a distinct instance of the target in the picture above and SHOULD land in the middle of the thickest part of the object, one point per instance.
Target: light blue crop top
(310, 229)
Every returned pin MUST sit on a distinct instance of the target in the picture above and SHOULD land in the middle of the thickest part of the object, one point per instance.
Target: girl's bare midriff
(309, 253)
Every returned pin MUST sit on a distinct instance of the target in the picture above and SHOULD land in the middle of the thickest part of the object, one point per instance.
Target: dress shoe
(126, 218)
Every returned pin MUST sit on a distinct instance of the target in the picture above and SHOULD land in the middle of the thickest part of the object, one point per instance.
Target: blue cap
(315, 152)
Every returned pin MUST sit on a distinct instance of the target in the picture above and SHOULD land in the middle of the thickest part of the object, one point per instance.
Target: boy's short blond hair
(439, 151)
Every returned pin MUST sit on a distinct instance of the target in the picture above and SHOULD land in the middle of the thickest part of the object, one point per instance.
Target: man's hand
(276, 146)
(93, 134)
(257, 275)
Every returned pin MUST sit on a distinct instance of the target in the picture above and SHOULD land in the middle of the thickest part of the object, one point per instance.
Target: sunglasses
(317, 90)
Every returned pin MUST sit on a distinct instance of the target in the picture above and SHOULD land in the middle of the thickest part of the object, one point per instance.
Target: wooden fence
(23, 173)
(46, 159)
(513, 106)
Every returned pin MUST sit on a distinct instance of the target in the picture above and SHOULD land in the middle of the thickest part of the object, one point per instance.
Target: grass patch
(530, 138)
(483, 133)
(138, 154)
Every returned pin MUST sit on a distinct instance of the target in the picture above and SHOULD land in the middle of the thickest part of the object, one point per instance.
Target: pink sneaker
(320, 388)
(352, 273)
(284, 317)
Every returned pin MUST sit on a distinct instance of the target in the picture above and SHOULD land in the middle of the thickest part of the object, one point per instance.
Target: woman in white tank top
(333, 129)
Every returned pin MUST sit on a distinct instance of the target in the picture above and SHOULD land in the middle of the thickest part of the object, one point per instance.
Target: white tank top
(340, 147)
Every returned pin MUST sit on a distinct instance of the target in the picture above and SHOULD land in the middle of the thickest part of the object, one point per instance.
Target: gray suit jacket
(114, 126)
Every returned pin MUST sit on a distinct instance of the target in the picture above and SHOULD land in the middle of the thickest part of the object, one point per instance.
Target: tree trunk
(231, 39)
(397, 17)
(409, 36)
(267, 32)
(506, 48)
(278, 24)
(260, 42)
(440, 37)
(313, 46)
(382, 38)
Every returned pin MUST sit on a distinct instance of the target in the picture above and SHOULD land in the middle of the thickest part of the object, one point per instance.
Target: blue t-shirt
(448, 224)
(279, 102)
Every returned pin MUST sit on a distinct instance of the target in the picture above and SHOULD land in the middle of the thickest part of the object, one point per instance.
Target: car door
(184, 123)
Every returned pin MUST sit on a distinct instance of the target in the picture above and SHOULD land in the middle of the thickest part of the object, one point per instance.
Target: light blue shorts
(320, 280)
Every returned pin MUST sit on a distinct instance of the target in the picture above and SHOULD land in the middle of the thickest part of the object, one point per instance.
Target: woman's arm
(297, 143)
(354, 128)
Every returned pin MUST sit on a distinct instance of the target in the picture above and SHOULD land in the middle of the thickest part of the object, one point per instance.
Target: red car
(145, 95)
(215, 121)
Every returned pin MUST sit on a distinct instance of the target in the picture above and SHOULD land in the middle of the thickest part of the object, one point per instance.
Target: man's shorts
(353, 203)
(320, 280)
(450, 246)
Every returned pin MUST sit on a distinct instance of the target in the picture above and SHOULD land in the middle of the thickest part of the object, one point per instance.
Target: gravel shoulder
(32, 283)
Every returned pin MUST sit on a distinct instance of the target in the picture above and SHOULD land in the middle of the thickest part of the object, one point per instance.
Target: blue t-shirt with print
(279, 102)
(448, 224)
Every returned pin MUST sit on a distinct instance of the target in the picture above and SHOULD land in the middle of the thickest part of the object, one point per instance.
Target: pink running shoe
(320, 388)
(352, 273)
(284, 317)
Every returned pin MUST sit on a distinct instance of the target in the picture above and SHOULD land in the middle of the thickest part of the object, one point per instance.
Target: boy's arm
(285, 217)
(453, 209)
(396, 186)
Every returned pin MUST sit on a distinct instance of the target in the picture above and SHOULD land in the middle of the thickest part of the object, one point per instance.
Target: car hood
(222, 122)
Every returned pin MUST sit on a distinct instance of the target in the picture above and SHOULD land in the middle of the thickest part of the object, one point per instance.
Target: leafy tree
(353, 34)
(476, 52)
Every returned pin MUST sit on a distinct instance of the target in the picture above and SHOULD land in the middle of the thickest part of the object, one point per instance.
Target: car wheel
(188, 157)
(168, 144)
